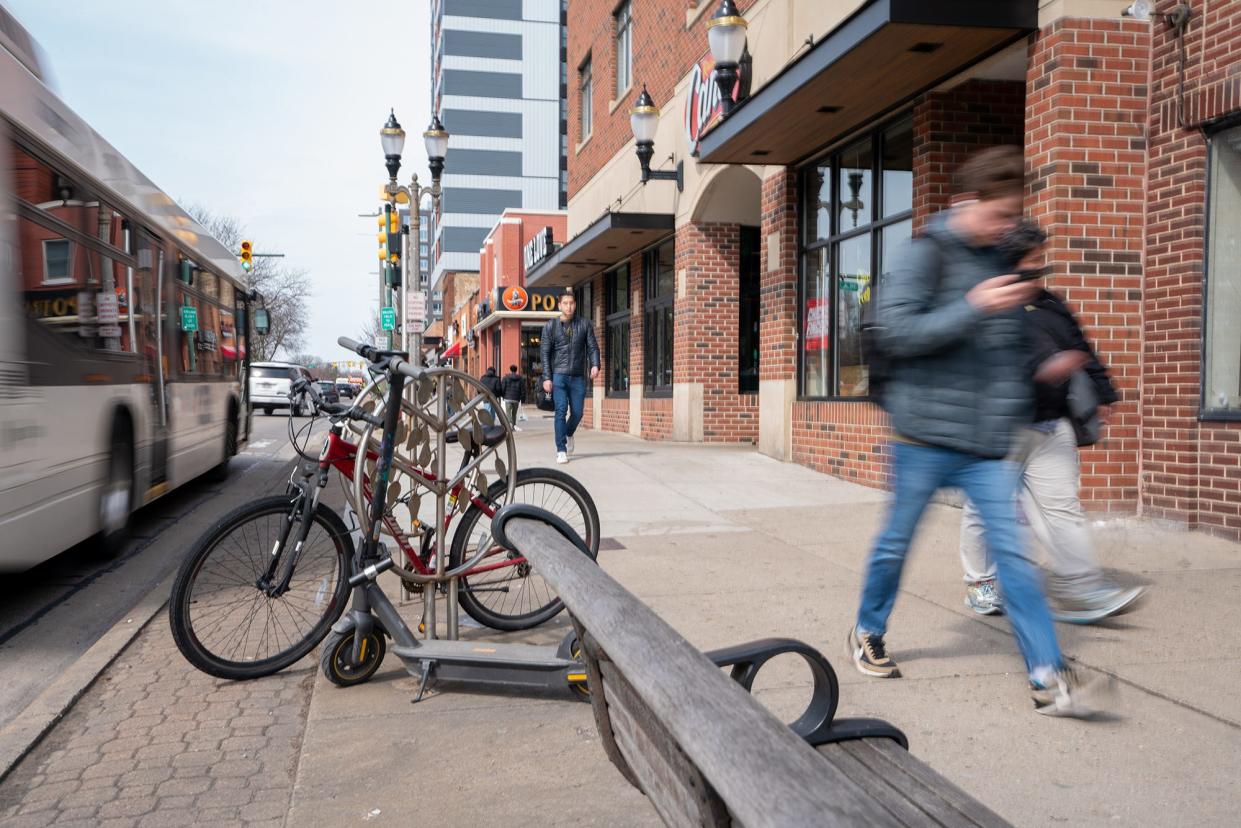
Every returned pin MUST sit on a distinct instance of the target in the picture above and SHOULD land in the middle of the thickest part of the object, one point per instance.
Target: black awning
(612, 239)
(882, 56)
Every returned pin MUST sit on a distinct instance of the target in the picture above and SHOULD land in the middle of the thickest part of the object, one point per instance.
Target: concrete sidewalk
(730, 546)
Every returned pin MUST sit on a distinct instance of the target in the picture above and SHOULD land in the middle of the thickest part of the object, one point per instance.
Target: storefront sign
(536, 300)
(702, 103)
(538, 248)
(817, 325)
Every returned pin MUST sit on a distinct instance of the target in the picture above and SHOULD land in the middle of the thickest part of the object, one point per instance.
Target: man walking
(512, 387)
(957, 390)
(569, 350)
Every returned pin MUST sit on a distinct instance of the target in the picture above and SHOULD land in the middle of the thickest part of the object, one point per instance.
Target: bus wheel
(116, 499)
(219, 473)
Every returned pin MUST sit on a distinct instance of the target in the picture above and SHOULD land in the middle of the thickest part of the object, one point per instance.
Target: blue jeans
(569, 395)
(919, 471)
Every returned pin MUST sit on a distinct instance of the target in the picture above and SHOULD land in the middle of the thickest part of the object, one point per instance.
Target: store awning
(525, 316)
(888, 52)
(453, 350)
(613, 238)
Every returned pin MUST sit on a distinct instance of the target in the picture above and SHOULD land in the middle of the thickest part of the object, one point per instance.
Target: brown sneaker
(869, 657)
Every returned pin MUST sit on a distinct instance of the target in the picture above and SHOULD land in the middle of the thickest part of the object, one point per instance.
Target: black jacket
(568, 349)
(491, 382)
(514, 386)
(1051, 327)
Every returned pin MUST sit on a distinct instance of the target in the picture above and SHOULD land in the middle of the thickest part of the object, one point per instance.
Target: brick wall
(1191, 470)
(951, 125)
(777, 329)
(844, 439)
(656, 418)
(663, 52)
(1086, 155)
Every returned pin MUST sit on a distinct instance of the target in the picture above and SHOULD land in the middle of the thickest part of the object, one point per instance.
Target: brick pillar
(1086, 153)
(637, 372)
(949, 126)
(778, 336)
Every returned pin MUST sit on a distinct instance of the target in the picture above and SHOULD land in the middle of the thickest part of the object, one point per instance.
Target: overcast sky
(268, 110)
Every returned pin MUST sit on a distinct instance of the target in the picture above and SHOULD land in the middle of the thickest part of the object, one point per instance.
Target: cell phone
(1031, 274)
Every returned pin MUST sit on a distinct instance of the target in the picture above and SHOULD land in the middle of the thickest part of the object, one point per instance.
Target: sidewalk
(728, 546)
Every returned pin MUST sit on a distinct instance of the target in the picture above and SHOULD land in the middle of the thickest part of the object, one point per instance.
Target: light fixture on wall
(1138, 10)
(643, 120)
(726, 32)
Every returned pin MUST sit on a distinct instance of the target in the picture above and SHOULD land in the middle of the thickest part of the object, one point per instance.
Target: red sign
(515, 298)
(702, 105)
(818, 323)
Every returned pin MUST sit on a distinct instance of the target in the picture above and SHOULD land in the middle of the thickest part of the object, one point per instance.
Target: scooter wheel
(336, 658)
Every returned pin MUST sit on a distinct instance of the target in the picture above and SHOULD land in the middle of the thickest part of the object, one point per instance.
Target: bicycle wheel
(503, 590)
(226, 623)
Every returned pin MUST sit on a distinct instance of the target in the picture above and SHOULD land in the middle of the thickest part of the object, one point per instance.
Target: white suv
(269, 387)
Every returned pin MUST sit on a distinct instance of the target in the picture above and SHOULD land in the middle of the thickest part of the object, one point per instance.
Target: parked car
(269, 387)
(327, 390)
(345, 388)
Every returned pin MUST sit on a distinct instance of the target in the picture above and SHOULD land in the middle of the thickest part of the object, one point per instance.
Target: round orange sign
(515, 298)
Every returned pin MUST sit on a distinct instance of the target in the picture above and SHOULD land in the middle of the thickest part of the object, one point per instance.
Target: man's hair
(513, 368)
(1020, 241)
(996, 172)
(568, 294)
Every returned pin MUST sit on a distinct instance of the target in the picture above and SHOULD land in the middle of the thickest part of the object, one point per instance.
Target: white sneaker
(568, 444)
(561, 457)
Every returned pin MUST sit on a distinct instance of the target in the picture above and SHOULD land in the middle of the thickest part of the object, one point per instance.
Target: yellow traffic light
(394, 222)
(247, 256)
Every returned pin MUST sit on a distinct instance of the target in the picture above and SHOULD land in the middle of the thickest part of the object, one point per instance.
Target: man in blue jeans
(957, 390)
(569, 351)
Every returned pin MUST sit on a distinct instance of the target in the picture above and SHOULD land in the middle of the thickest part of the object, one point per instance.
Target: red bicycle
(266, 583)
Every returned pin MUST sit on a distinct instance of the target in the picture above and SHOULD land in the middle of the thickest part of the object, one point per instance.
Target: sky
(267, 110)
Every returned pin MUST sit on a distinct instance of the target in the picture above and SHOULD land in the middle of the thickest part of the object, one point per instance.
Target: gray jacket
(568, 348)
(959, 377)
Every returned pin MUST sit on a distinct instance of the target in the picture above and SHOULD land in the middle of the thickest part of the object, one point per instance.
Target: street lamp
(643, 119)
(726, 32)
(392, 139)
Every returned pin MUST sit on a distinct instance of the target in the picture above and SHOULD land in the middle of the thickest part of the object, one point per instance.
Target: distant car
(269, 387)
(346, 388)
(327, 390)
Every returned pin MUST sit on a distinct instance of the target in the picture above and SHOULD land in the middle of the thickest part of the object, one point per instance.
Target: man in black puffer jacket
(949, 322)
(569, 351)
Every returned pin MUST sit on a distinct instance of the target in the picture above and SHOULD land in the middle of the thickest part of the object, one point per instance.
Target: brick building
(728, 304)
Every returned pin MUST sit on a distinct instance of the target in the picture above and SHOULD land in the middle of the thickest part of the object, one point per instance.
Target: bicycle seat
(492, 435)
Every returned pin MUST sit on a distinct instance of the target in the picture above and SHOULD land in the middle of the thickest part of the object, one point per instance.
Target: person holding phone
(1046, 449)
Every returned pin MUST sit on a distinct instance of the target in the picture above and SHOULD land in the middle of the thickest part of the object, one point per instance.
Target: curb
(20, 736)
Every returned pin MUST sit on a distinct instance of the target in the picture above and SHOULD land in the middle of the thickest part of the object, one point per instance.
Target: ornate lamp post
(643, 119)
(726, 31)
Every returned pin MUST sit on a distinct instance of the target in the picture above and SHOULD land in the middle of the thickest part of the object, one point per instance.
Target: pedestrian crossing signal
(247, 256)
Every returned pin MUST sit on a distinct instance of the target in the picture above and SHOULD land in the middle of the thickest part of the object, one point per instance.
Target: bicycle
(254, 596)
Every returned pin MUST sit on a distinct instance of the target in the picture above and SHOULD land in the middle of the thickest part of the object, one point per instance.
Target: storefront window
(1221, 387)
(616, 339)
(659, 292)
(748, 310)
(850, 233)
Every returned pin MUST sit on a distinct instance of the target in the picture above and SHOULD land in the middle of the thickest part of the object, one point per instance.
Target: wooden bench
(693, 739)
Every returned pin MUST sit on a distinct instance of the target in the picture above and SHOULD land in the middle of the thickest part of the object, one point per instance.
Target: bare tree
(284, 289)
(372, 329)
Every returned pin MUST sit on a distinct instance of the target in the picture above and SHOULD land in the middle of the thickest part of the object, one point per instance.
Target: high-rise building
(498, 83)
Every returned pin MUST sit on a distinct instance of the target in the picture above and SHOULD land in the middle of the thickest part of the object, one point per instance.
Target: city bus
(123, 329)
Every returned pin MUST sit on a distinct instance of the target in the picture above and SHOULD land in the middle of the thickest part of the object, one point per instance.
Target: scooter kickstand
(426, 677)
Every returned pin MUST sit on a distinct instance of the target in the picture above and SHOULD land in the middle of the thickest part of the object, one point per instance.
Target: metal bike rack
(437, 410)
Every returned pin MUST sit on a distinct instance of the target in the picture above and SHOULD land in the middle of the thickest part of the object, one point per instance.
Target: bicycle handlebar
(365, 351)
(385, 360)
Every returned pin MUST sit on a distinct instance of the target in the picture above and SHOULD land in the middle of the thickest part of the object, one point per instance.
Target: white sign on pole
(107, 310)
(110, 331)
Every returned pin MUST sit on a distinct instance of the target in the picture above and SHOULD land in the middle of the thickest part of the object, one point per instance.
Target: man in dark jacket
(958, 389)
(1047, 452)
(569, 351)
(513, 387)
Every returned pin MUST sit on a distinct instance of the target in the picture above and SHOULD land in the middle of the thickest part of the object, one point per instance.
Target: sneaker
(869, 657)
(1071, 693)
(983, 597)
(1074, 603)
(568, 444)
(561, 457)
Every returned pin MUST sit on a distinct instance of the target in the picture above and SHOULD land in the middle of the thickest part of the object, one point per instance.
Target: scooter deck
(484, 653)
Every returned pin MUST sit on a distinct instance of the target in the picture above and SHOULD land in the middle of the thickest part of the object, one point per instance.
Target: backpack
(879, 364)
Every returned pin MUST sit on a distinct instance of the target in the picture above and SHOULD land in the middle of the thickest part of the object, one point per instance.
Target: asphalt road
(53, 613)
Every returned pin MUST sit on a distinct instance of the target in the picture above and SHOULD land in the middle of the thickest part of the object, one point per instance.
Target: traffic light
(382, 236)
(247, 256)
(393, 230)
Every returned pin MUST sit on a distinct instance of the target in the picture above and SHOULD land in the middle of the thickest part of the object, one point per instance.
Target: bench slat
(764, 773)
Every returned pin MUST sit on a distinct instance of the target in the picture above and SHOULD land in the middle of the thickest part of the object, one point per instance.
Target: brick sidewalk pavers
(154, 742)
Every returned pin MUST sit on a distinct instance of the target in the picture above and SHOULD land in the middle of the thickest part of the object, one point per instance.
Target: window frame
(615, 320)
(1205, 413)
(623, 30)
(653, 304)
(68, 278)
(875, 225)
(585, 99)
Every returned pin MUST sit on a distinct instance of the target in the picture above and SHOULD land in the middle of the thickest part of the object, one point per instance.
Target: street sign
(107, 310)
(189, 318)
(417, 325)
(110, 331)
(387, 319)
